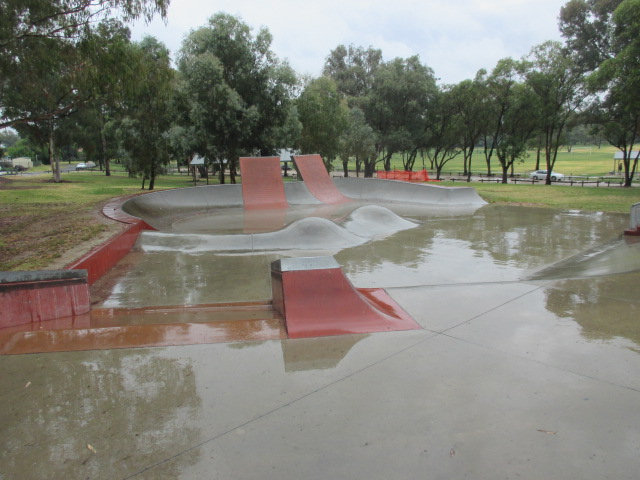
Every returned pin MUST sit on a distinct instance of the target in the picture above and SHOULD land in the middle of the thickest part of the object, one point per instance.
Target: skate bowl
(197, 256)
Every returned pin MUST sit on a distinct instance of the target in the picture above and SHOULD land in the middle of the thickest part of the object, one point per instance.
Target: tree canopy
(71, 78)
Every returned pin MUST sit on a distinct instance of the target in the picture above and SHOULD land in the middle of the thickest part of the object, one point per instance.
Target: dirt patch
(37, 237)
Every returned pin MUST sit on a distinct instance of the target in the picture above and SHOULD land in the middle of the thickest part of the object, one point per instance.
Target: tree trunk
(232, 173)
(53, 158)
(505, 173)
(369, 167)
(103, 141)
(220, 175)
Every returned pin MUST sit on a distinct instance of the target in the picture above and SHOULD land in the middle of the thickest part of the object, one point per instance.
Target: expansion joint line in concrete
(281, 407)
(446, 333)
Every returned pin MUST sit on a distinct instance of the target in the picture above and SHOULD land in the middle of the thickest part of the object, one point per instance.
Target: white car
(85, 166)
(542, 175)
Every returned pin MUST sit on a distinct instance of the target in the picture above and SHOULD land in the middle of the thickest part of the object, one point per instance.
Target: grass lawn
(44, 225)
(583, 160)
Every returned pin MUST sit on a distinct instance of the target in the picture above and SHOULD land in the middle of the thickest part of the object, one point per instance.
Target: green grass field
(583, 160)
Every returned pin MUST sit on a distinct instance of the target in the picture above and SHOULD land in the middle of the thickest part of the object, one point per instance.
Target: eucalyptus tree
(500, 94)
(615, 68)
(323, 114)
(49, 63)
(471, 103)
(588, 29)
(358, 141)
(402, 92)
(239, 96)
(519, 126)
(39, 35)
(558, 85)
(353, 69)
(143, 132)
(443, 131)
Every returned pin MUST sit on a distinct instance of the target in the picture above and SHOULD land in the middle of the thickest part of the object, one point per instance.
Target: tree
(519, 126)
(358, 141)
(324, 115)
(558, 85)
(470, 101)
(588, 29)
(49, 62)
(22, 21)
(353, 69)
(616, 79)
(32, 32)
(397, 107)
(238, 95)
(144, 131)
(7, 140)
(500, 88)
(443, 132)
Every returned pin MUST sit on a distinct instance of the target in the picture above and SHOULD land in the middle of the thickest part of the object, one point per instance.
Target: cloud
(454, 38)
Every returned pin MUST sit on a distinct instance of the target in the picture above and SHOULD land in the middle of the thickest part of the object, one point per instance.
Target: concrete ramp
(316, 299)
(317, 179)
(375, 190)
(262, 186)
(375, 221)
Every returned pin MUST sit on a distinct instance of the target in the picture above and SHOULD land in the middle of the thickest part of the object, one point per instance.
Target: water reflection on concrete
(174, 278)
(496, 243)
(605, 308)
(317, 353)
(95, 414)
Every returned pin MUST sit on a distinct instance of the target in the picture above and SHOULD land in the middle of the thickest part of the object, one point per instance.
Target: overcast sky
(454, 37)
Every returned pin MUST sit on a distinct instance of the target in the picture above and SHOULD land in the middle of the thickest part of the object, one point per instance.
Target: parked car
(542, 175)
(85, 166)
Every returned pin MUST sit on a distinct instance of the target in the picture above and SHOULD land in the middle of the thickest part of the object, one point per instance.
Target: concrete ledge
(38, 296)
(41, 275)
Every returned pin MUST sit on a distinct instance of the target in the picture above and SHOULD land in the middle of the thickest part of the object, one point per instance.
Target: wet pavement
(527, 365)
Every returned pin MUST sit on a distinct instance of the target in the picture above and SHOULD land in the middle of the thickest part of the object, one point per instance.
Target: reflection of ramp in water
(621, 255)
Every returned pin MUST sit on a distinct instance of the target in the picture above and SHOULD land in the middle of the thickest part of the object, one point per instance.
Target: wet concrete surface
(527, 366)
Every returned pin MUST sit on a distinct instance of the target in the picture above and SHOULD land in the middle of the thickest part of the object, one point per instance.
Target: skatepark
(506, 342)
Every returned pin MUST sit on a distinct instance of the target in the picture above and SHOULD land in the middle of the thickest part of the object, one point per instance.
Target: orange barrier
(317, 180)
(421, 176)
(262, 186)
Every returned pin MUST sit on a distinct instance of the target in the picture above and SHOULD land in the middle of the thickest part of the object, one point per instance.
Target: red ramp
(317, 179)
(262, 186)
(316, 299)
